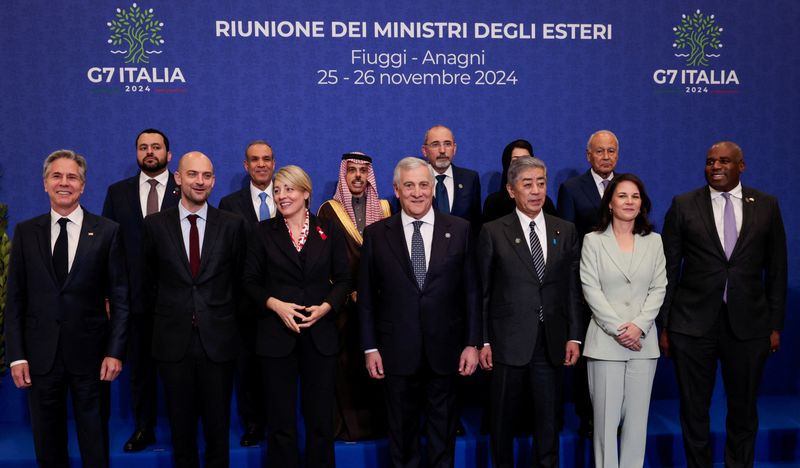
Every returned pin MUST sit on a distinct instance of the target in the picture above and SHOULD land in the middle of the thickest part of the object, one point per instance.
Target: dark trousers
(317, 374)
(47, 402)
(143, 371)
(506, 396)
(198, 388)
(250, 391)
(742, 363)
(406, 396)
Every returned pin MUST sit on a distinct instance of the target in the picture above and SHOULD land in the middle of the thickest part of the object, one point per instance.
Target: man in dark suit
(254, 203)
(578, 203)
(193, 256)
(59, 336)
(726, 265)
(528, 263)
(457, 191)
(128, 202)
(418, 309)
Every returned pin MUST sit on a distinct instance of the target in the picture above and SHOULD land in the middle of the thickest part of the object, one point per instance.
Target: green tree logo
(697, 31)
(137, 28)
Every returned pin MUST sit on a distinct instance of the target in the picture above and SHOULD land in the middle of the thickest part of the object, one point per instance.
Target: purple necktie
(729, 232)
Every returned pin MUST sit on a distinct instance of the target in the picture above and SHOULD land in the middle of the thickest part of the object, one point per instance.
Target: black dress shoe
(252, 437)
(139, 441)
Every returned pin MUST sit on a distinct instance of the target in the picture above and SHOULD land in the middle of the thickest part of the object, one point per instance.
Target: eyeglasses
(440, 144)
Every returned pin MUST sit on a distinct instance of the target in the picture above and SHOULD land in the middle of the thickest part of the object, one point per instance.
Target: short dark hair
(641, 225)
(153, 130)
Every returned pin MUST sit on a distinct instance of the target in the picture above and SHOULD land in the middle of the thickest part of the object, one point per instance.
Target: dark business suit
(318, 273)
(249, 388)
(123, 205)
(196, 361)
(579, 203)
(466, 196)
(522, 347)
(702, 329)
(420, 333)
(64, 332)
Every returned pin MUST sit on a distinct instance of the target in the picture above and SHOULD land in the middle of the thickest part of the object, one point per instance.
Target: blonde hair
(296, 177)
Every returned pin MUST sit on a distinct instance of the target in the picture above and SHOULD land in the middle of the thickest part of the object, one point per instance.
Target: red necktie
(194, 245)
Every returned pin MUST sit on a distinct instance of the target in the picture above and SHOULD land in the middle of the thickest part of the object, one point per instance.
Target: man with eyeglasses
(457, 190)
(578, 203)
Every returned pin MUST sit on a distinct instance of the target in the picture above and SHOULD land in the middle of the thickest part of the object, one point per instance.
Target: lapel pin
(517, 240)
(90, 234)
(447, 235)
(750, 199)
(460, 185)
(555, 242)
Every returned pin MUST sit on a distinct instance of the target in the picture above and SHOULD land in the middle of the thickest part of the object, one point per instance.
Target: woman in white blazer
(624, 282)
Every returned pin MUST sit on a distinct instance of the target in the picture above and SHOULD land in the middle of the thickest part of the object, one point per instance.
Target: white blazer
(619, 291)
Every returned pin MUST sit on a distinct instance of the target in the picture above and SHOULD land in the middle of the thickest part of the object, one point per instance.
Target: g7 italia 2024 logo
(135, 36)
(697, 40)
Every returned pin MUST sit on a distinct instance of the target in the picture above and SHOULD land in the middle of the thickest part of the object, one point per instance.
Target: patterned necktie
(263, 209)
(729, 233)
(442, 199)
(418, 254)
(194, 245)
(60, 253)
(152, 197)
(538, 260)
(605, 183)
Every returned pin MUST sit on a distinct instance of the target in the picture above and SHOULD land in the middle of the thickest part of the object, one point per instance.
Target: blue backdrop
(301, 76)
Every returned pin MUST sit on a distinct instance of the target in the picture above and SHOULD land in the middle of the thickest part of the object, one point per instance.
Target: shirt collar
(736, 192)
(254, 191)
(599, 180)
(448, 172)
(76, 216)
(525, 220)
(202, 213)
(161, 178)
(427, 219)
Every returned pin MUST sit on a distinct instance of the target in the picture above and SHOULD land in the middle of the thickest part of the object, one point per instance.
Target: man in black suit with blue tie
(128, 202)
(59, 335)
(457, 190)
(579, 203)
(254, 203)
(418, 311)
(193, 259)
(725, 247)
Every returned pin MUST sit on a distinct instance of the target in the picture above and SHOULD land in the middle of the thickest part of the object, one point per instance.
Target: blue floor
(778, 442)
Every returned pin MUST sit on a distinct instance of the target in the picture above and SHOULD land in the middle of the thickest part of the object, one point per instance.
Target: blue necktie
(263, 209)
(418, 254)
(538, 260)
(442, 199)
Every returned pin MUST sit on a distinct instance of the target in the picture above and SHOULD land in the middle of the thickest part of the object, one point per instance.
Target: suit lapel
(703, 203)
(609, 242)
(85, 243)
(314, 243)
(554, 244)
(396, 239)
(175, 235)
(210, 236)
(590, 190)
(518, 243)
(283, 241)
(171, 195)
(134, 203)
(43, 239)
(246, 205)
(439, 243)
(748, 218)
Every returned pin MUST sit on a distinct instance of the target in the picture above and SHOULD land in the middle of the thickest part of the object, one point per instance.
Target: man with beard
(354, 206)
(128, 202)
(254, 203)
(193, 259)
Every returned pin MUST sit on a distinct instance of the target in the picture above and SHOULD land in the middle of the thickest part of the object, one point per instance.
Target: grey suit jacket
(622, 288)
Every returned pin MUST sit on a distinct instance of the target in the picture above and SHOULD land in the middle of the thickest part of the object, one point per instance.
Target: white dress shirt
(73, 232)
(144, 189)
(718, 205)
(598, 181)
(426, 230)
(270, 201)
(449, 184)
(186, 226)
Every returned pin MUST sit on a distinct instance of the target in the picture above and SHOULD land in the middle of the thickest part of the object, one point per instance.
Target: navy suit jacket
(122, 205)
(579, 202)
(173, 295)
(241, 203)
(467, 196)
(44, 319)
(408, 324)
(697, 268)
(512, 292)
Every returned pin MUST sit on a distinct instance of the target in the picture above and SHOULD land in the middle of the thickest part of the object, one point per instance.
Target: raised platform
(778, 442)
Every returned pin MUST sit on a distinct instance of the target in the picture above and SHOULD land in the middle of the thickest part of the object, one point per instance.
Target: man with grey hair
(528, 264)
(579, 202)
(418, 311)
(59, 335)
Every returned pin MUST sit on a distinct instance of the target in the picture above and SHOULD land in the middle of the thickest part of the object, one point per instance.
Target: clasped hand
(629, 336)
(295, 316)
